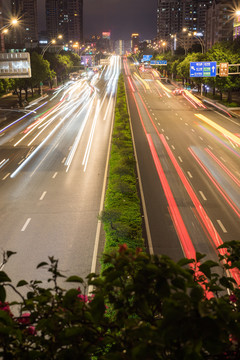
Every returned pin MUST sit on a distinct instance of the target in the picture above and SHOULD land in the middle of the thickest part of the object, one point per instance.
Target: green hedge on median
(122, 214)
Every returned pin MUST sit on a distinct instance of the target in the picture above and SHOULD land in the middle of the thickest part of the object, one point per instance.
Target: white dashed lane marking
(202, 195)
(53, 177)
(26, 224)
(189, 174)
(180, 159)
(222, 226)
(43, 195)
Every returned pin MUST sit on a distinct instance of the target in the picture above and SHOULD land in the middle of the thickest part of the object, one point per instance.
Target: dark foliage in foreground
(142, 307)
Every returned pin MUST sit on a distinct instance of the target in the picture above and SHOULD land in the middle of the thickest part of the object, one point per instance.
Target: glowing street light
(4, 30)
(53, 41)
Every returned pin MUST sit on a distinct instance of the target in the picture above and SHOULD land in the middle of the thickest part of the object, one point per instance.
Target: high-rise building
(174, 15)
(27, 28)
(135, 42)
(219, 23)
(65, 17)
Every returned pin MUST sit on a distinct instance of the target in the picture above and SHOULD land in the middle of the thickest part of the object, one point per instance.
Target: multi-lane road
(189, 166)
(52, 174)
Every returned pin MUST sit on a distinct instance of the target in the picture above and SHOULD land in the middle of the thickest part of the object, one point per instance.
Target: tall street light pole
(4, 30)
(53, 41)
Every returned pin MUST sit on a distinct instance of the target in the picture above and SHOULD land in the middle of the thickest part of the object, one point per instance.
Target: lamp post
(53, 41)
(181, 42)
(195, 34)
(4, 30)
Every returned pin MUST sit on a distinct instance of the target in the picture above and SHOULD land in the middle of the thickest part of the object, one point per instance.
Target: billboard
(15, 65)
(106, 35)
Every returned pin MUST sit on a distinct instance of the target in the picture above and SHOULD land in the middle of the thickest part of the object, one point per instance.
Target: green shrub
(142, 308)
(122, 214)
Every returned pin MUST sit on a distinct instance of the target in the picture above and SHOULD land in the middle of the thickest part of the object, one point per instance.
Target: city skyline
(119, 17)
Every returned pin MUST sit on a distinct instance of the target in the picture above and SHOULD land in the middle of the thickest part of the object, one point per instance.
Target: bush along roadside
(122, 213)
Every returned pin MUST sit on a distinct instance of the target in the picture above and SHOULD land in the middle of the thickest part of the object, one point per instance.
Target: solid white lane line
(6, 176)
(63, 160)
(202, 195)
(173, 147)
(53, 177)
(20, 161)
(222, 226)
(189, 174)
(180, 159)
(43, 195)
(26, 224)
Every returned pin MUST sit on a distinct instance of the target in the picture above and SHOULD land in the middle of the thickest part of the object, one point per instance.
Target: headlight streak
(113, 85)
(79, 135)
(227, 171)
(219, 128)
(228, 197)
(50, 113)
(219, 140)
(38, 122)
(102, 72)
(3, 162)
(40, 145)
(89, 144)
(65, 107)
(166, 90)
(16, 121)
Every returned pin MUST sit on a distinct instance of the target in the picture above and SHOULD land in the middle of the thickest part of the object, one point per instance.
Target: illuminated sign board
(203, 69)
(15, 65)
(106, 35)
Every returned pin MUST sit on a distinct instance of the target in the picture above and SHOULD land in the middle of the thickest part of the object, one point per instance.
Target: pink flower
(31, 330)
(83, 298)
(233, 298)
(24, 319)
(4, 306)
(122, 248)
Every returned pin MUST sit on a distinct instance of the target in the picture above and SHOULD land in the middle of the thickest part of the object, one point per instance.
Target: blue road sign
(158, 62)
(203, 69)
(147, 57)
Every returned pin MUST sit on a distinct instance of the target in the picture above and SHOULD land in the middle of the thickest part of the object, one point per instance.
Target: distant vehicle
(178, 91)
(74, 76)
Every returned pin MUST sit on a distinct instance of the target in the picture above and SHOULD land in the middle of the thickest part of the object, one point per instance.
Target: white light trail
(79, 135)
(89, 144)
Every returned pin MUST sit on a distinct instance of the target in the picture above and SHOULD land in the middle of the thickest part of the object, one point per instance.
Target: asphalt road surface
(52, 173)
(189, 166)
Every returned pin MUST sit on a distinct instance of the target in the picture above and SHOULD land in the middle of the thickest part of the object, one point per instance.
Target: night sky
(121, 17)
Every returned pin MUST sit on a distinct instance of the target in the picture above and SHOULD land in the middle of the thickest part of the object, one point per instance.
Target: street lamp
(195, 34)
(53, 41)
(4, 30)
